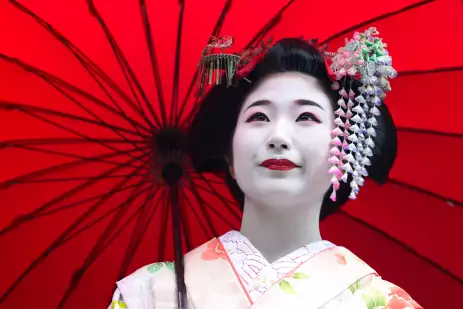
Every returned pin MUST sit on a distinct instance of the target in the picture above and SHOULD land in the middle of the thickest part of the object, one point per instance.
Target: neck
(276, 232)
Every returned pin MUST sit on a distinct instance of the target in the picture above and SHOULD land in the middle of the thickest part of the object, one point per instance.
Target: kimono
(230, 273)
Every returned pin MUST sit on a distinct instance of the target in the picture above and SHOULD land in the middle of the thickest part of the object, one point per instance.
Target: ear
(231, 170)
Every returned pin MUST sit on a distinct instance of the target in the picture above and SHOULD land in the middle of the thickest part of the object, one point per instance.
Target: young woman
(280, 135)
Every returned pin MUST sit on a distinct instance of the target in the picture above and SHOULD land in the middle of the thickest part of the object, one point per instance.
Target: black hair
(212, 129)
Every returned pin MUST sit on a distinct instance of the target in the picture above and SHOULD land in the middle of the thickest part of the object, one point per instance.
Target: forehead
(287, 87)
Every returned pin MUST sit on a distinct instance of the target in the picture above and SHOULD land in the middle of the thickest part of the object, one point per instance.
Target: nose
(280, 138)
(278, 145)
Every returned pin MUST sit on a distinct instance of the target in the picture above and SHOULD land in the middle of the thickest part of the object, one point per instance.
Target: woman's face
(282, 141)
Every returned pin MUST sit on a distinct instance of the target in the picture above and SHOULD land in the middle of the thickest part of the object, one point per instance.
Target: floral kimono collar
(256, 273)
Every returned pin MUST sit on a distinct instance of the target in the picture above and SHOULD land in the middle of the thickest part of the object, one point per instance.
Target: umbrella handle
(178, 252)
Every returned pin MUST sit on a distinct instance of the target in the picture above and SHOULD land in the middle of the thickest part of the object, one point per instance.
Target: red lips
(279, 164)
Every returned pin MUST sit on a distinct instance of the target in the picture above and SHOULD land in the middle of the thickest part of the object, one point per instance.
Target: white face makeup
(282, 140)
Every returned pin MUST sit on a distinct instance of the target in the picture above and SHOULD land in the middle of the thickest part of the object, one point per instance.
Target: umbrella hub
(172, 173)
(170, 153)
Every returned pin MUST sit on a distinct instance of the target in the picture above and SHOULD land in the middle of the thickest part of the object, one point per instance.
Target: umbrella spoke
(65, 141)
(129, 75)
(112, 127)
(215, 33)
(375, 19)
(105, 238)
(257, 38)
(89, 65)
(203, 204)
(31, 216)
(118, 210)
(424, 191)
(89, 199)
(195, 213)
(28, 110)
(59, 167)
(82, 178)
(217, 182)
(140, 230)
(227, 203)
(404, 246)
(154, 60)
(70, 155)
(432, 71)
(6, 105)
(63, 127)
(59, 84)
(426, 131)
(60, 240)
(174, 106)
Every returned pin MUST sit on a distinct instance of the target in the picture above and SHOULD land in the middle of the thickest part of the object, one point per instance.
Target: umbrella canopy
(95, 99)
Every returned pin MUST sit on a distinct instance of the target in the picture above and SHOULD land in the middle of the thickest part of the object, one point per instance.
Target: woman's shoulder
(388, 293)
(373, 291)
(153, 283)
(146, 286)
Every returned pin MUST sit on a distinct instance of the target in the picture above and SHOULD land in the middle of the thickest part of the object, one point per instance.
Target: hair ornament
(364, 58)
(216, 64)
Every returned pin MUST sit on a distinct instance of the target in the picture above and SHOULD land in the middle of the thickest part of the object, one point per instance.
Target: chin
(280, 189)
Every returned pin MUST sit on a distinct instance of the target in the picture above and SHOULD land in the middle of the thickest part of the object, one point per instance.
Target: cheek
(246, 142)
(315, 147)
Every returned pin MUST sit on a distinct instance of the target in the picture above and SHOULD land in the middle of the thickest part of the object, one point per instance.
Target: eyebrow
(301, 102)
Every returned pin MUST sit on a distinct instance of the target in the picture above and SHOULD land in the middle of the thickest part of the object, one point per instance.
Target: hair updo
(211, 132)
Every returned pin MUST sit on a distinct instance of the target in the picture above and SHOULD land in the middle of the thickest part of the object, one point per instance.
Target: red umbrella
(95, 97)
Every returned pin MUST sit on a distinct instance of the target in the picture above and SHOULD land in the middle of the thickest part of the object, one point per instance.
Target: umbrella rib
(221, 20)
(210, 180)
(162, 237)
(213, 191)
(47, 213)
(174, 106)
(139, 232)
(257, 37)
(424, 191)
(226, 202)
(215, 32)
(269, 25)
(58, 167)
(74, 132)
(374, 19)
(403, 246)
(32, 114)
(430, 71)
(99, 246)
(206, 216)
(129, 75)
(112, 127)
(63, 141)
(203, 203)
(154, 60)
(7, 105)
(60, 240)
(90, 66)
(70, 155)
(79, 178)
(107, 214)
(31, 216)
(58, 83)
(427, 131)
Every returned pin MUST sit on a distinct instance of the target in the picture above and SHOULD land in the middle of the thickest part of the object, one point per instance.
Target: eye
(258, 117)
(308, 117)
